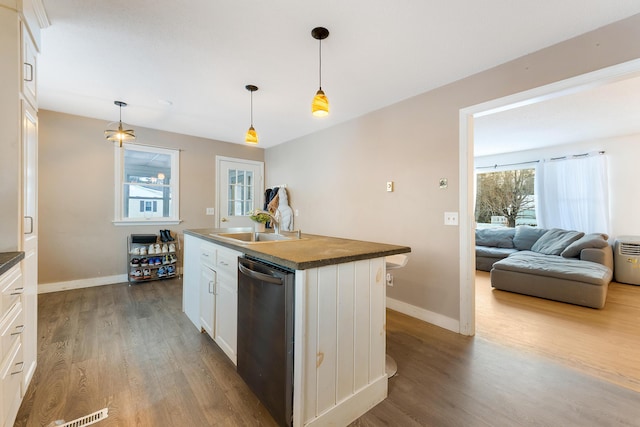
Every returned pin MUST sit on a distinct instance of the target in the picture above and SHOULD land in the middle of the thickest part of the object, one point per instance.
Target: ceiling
(606, 111)
(182, 65)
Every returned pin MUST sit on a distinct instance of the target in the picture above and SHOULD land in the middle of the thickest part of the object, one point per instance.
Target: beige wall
(336, 178)
(76, 194)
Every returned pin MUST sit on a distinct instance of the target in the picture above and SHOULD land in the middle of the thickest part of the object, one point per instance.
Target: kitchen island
(339, 314)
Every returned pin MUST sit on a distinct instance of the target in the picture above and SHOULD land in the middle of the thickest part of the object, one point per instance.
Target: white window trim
(119, 178)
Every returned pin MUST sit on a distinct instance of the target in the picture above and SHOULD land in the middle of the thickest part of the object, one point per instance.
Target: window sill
(149, 221)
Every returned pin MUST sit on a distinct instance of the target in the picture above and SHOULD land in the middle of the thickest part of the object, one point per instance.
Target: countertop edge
(9, 259)
(303, 265)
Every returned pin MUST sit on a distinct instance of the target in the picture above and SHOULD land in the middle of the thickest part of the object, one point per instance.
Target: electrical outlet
(389, 279)
(451, 218)
(211, 211)
(389, 185)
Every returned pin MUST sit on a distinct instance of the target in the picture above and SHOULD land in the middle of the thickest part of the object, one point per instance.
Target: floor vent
(83, 421)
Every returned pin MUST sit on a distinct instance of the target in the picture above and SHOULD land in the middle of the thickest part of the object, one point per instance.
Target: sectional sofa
(556, 264)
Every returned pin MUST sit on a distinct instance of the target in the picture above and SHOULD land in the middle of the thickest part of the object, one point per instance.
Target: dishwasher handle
(260, 276)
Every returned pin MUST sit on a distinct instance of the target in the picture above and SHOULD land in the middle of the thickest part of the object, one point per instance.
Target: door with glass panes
(240, 191)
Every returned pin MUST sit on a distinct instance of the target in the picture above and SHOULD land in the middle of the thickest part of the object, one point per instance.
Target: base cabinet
(210, 291)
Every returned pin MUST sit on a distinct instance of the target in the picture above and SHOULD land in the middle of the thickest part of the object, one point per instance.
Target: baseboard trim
(82, 283)
(425, 315)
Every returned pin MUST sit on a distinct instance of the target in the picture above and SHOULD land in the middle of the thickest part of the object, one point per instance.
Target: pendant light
(119, 135)
(320, 103)
(252, 136)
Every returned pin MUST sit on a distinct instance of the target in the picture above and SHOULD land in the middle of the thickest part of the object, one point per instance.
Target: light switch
(451, 218)
(389, 185)
(211, 211)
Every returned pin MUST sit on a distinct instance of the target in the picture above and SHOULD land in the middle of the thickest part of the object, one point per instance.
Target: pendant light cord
(251, 108)
(320, 64)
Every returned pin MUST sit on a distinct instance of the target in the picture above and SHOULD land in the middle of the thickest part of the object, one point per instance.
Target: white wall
(622, 153)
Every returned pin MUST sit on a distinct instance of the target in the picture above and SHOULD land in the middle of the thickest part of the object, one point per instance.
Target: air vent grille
(630, 249)
(83, 421)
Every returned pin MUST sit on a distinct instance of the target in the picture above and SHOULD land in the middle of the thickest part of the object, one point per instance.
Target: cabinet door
(191, 279)
(227, 315)
(29, 63)
(207, 299)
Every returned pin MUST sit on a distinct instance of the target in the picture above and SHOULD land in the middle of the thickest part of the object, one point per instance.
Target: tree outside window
(506, 197)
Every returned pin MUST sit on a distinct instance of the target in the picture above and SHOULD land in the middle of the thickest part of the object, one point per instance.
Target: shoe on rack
(144, 262)
(165, 260)
(172, 247)
(135, 251)
(146, 273)
(172, 259)
(171, 270)
(137, 275)
(143, 251)
(151, 250)
(165, 248)
(157, 261)
(168, 236)
(135, 262)
(157, 249)
(162, 272)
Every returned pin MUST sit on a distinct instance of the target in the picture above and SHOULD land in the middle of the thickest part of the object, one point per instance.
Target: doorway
(466, 165)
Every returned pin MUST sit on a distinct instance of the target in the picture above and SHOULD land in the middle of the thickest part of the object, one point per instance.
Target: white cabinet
(29, 67)
(12, 331)
(210, 291)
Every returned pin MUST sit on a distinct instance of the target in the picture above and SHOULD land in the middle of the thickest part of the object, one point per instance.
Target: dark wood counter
(9, 259)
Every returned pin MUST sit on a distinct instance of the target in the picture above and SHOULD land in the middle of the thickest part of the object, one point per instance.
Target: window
(506, 198)
(146, 185)
(240, 192)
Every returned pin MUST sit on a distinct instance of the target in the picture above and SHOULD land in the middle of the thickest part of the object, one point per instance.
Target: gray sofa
(556, 264)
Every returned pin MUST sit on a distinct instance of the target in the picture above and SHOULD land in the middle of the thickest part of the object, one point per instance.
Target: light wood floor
(131, 349)
(601, 342)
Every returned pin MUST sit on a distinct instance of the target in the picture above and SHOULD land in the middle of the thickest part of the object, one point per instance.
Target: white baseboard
(426, 315)
(82, 283)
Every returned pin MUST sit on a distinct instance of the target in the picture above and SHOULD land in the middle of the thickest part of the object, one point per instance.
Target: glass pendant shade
(120, 134)
(251, 137)
(320, 104)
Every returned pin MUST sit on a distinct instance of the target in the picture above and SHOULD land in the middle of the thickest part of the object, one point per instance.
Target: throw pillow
(496, 237)
(594, 240)
(526, 236)
(554, 241)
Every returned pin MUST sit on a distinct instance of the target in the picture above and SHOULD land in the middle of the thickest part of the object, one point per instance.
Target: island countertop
(310, 251)
(9, 259)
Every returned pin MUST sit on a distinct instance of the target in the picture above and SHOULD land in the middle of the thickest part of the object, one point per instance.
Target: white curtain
(573, 194)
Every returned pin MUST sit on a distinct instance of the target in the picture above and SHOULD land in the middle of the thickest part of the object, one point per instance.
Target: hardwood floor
(131, 349)
(601, 342)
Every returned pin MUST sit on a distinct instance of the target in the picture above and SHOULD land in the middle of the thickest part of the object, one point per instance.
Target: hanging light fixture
(320, 103)
(120, 135)
(252, 136)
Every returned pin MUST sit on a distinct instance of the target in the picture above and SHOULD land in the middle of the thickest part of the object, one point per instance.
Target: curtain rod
(508, 164)
(573, 156)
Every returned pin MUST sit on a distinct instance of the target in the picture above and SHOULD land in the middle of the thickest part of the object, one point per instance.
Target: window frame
(118, 215)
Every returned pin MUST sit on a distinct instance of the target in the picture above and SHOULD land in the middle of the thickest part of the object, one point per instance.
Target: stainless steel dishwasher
(265, 334)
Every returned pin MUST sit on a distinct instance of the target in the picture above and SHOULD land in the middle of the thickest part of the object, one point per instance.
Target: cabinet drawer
(11, 377)
(11, 288)
(227, 262)
(208, 255)
(11, 329)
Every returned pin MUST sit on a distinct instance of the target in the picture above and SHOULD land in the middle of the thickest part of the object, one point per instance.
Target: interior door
(240, 191)
(30, 236)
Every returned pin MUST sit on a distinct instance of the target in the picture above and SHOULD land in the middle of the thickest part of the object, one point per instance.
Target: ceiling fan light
(251, 137)
(119, 135)
(320, 104)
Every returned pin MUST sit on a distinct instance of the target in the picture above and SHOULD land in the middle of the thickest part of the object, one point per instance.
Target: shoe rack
(152, 256)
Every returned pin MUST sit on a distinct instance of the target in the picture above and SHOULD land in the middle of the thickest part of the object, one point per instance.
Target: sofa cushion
(594, 240)
(529, 262)
(496, 237)
(493, 252)
(554, 241)
(526, 236)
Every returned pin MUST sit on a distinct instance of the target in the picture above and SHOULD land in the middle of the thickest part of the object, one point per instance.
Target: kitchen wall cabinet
(210, 291)
(20, 23)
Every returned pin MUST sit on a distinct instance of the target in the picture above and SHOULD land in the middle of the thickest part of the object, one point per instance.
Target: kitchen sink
(254, 237)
